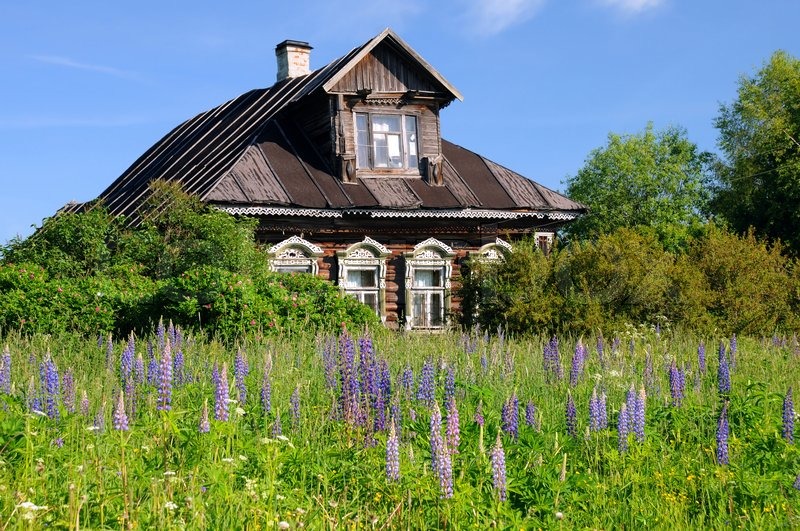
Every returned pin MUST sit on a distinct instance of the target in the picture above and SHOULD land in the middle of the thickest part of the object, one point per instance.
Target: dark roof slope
(243, 153)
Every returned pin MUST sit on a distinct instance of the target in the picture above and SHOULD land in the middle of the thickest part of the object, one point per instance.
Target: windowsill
(381, 173)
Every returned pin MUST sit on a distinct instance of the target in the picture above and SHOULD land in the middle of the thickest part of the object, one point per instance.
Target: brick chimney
(293, 59)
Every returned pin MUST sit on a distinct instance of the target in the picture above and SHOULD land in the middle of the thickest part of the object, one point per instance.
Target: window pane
(371, 300)
(361, 278)
(436, 314)
(411, 141)
(381, 147)
(427, 278)
(386, 123)
(420, 310)
(362, 141)
(293, 269)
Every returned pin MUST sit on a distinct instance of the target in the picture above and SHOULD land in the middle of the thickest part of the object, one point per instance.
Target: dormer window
(386, 141)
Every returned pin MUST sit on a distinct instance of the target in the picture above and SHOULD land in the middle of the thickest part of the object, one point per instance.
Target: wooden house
(347, 172)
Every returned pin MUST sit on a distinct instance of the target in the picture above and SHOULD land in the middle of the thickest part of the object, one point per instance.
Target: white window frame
(428, 255)
(407, 145)
(495, 251)
(366, 255)
(294, 255)
(548, 236)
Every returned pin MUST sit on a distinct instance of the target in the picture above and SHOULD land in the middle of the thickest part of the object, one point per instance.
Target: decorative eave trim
(463, 213)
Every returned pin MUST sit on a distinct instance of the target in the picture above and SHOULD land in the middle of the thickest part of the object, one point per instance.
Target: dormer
(386, 101)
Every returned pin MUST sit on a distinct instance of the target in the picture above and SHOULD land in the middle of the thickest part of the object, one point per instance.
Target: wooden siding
(384, 70)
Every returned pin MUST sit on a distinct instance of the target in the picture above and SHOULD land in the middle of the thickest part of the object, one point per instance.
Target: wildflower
(445, 469)
(165, 379)
(171, 506)
(138, 369)
(571, 417)
(84, 404)
(379, 412)
(723, 373)
(622, 429)
(221, 395)
(126, 360)
(51, 387)
(578, 359)
(425, 390)
(152, 365)
(452, 432)
(630, 403)
(788, 417)
(638, 415)
(58, 442)
(277, 429)
(436, 436)
(479, 420)
(530, 415)
(120, 419)
(266, 393)
(675, 384)
(510, 416)
(178, 366)
(595, 416)
(449, 384)
(701, 357)
(240, 370)
(204, 426)
(392, 455)
(723, 431)
(407, 380)
(552, 361)
(5, 371)
(34, 402)
(498, 459)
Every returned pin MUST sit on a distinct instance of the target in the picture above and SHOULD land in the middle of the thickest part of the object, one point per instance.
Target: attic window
(386, 141)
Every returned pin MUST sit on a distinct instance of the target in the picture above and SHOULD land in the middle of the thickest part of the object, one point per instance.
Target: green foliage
(722, 282)
(651, 179)
(759, 133)
(200, 267)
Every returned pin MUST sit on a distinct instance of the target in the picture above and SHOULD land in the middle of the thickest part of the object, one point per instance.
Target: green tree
(758, 185)
(652, 179)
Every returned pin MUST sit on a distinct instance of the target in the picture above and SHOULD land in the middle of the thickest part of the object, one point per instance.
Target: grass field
(627, 432)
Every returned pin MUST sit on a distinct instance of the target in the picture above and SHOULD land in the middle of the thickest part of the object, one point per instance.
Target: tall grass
(327, 469)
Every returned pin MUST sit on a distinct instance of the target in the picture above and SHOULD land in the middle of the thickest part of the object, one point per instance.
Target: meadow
(641, 429)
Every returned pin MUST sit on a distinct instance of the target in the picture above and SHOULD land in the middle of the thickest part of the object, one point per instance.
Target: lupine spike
(165, 379)
(453, 432)
(498, 459)
(571, 417)
(120, 420)
(622, 429)
(639, 415)
(788, 417)
(221, 395)
(723, 373)
(205, 425)
(295, 403)
(393, 455)
(723, 432)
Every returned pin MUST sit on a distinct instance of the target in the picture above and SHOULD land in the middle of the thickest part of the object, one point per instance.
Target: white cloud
(69, 63)
(490, 17)
(634, 6)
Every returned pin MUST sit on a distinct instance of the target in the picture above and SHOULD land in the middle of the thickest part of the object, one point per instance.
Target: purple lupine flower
(68, 391)
(161, 334)
(204, 426)
(172, 334)
(510, 416)
(530, 415)
(675, 387)
(84, 404)
(453, 431)
(788, 417)
(571, 417)
(330, 362)
(385, 380)
(622, 429)
(393, 455)
(138, 370)
(395, 413)
(639, 415)
(152, 365)
(552, 361)
(425, 390)
(131, 394)
(266, 393)
(412, 414)
(178, 366)
(221, 395)
(498, 459)
(367, 368)
(349, 398)
(479, 420)
(5, 371)
(578, 359)
(450, 384)
(723, 431)
(51, 388)
(126, 359)
(379, 413)
(58, 442)
(615, 345)
(595, 415)
(32, 397)
(407, 381)
(484, 361)
(240, 370)
(630, 403)
(164, 402)
(100, 418)
(701, 357)
(277, 429)
(120, 419)
(723, 373)
(294, 400)
(437, 444)
(445, 469)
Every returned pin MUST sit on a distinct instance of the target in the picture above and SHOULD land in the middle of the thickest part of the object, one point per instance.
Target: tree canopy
(758, 185)
(653, 180)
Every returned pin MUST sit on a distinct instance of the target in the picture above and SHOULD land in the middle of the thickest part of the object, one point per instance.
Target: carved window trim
(495, 251)
(431, 256)
(366, 255)
(294, 255)
(544, 241)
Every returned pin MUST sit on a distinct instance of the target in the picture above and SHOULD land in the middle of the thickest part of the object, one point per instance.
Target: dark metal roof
(244, 152)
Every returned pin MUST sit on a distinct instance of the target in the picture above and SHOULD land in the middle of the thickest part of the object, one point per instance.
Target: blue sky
(88, 86)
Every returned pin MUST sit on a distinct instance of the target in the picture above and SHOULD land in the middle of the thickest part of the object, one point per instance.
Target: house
(347, 172)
